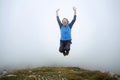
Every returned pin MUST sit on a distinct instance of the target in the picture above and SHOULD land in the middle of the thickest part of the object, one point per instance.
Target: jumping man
(65, 30)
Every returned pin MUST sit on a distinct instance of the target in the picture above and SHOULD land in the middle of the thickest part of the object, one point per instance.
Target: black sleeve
(59, 22)
(73, 21)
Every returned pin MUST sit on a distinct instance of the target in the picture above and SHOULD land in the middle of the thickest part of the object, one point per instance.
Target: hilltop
(56, 73)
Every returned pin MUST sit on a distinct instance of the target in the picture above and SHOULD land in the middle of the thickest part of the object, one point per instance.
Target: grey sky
(29, 34)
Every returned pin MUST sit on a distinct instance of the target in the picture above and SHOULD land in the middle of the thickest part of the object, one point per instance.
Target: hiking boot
(64, 53)
(67, 52)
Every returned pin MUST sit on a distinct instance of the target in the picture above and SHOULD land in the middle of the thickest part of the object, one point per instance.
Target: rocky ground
(56, 73)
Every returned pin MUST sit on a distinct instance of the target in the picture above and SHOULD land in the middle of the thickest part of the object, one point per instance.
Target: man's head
(65, 21)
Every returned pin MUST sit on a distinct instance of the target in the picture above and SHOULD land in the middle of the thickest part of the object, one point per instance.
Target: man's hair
(66, 19)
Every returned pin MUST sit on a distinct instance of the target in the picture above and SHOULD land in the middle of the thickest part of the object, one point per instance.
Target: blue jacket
(66, 30)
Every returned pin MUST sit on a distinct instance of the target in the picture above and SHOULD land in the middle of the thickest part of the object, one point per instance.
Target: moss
(57, 73)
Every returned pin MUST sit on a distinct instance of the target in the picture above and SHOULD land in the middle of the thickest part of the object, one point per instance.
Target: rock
(4, 72)
(11, 75)
(33, 76)
(59, 72)
(30, 71)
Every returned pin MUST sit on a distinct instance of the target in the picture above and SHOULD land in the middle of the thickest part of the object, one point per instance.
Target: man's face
(64, 21)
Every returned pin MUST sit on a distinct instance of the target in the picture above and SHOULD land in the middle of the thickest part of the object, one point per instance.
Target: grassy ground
(56, 73)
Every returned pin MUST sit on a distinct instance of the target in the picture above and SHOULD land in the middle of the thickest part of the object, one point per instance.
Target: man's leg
(61, 48)
(67, 47)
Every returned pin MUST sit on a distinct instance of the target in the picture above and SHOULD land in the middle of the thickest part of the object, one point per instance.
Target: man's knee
(67, 47)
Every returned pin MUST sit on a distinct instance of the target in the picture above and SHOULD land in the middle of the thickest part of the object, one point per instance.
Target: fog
(30, 35)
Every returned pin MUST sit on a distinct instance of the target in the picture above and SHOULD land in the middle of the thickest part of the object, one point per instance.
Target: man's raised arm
(74, 18)
(57, 15)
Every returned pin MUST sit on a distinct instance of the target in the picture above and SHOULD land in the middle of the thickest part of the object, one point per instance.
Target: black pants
(64, 46)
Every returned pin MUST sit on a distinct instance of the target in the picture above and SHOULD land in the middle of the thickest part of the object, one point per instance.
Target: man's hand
(57, 12)
(74, 9)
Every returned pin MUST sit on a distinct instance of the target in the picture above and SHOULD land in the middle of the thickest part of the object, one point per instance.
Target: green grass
(57, 73)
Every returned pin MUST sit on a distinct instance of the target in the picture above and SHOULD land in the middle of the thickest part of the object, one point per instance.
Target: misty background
(29, 34)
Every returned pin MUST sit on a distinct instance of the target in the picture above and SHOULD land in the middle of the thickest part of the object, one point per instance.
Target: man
(65, 30)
